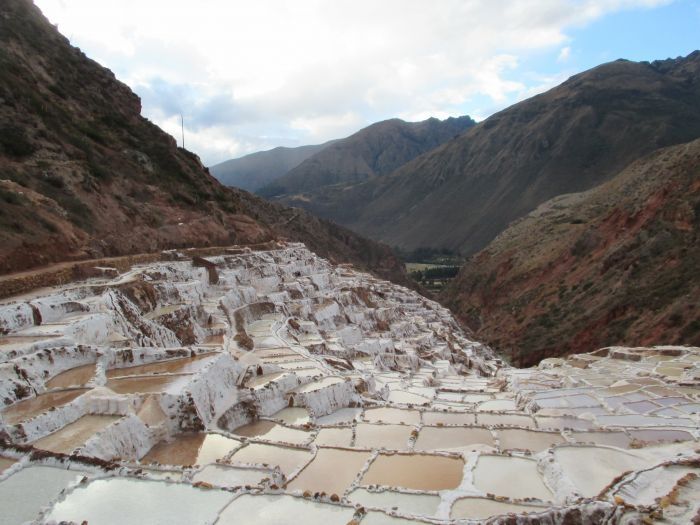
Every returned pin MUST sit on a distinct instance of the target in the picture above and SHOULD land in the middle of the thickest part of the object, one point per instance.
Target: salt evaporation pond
(269, 431)
(191, 449)
(482, 508)
(286, 458)
(77, 376)
(392, 415)
(418, 504)
(449, 418)
(392, 437)
(340, 416)
(28, 408)
(116, 501)
(334, 437)
(184, 365)
(444, 438)
(591, 468)
(513, 477)
(23, 494)
(331, 471)
(292, 416)
(514, 438)
(415, 471)
(148, 384)
(281, 510)
(379, 518)
(75, 434)
(223, 476)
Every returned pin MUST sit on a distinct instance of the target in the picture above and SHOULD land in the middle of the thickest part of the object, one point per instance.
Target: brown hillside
(616, 264)
(84, 175)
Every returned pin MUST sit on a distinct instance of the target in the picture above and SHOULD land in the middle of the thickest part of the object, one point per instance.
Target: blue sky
(250, 75)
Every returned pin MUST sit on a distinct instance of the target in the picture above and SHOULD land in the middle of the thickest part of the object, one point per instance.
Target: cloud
(564, 54)
(288, 72)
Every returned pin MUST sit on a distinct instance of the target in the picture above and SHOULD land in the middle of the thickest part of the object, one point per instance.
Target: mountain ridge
(568, 139)
(617, 263)
(83, 175)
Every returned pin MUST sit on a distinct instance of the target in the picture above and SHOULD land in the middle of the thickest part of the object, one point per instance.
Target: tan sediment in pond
(191, 449)
(482, 508)
(77, 376)
(415, 471)
(332, 471)
(34, 406)
(392, 437)
(513, 420)
(612, 439)
(292, 416)
(514, 438)
(334, 437)
(146, 385)
(288, 459)
(652, 436)
(75, 434)
(273, 432)
(448, 418)
(512, 477)
(444, 438)
(184, 365)
(392, 415)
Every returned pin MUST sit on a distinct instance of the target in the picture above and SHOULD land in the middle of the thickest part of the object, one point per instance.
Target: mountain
(618, 263)
(569, 139)
(84, 175)
(319, 182)
(254, 171)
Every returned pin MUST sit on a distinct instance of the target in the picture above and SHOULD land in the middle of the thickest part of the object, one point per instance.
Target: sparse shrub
(14, 141)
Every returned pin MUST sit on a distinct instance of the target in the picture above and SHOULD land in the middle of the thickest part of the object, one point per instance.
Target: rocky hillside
(318, 183)
(569, 139)
(254, 171)
(615, 264)
(83, 174)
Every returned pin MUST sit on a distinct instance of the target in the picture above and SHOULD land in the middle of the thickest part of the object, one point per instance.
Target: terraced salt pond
(185, 365)
(78, 376)
(23, 494)
(278, 510)
(31, 407)
(482, 508)
(512, 477)
(103, 501)
(269, 431)
(342, 413)
(75, 434)
(415, 471)
(286, 458)
(191, 449)
(331, 471)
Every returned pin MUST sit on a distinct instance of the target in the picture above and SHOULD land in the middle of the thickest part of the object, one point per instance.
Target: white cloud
(564, 54)
(248, 74)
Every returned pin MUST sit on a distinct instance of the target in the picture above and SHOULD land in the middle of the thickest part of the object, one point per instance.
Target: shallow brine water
(77, 376)
(415, 471)
(282, 510)
(28, 408)
(24, 493)
(482, 508)
(191, 449)
(119, 500)
(331, 471)
(510, 476)
(286, 458)
(185, 365)
(445, 438)
(70, 437)
(270, 431)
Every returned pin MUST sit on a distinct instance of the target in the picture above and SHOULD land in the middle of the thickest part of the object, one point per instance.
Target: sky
(250, 75)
